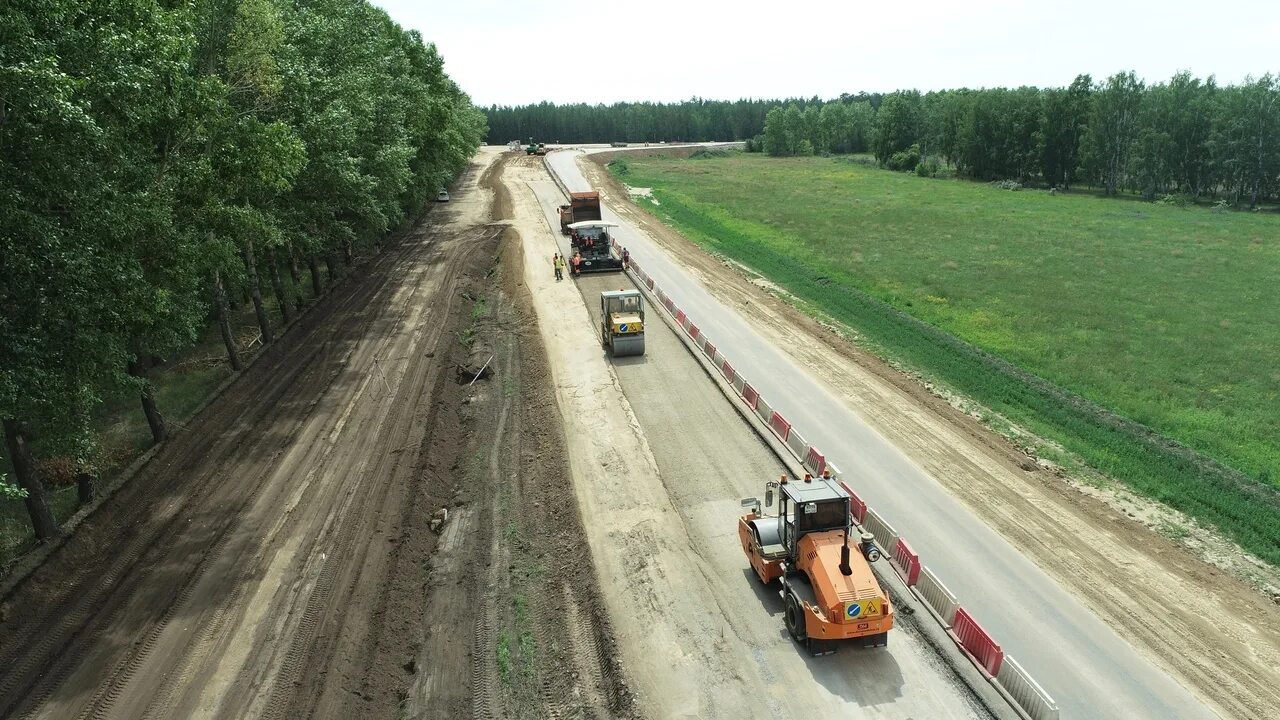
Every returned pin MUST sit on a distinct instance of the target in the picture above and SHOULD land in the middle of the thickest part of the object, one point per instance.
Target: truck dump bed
(586, 206)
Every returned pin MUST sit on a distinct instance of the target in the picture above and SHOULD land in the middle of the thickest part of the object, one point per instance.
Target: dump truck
(593, 248)
(622, 322)
(830, 594)
(582, 206)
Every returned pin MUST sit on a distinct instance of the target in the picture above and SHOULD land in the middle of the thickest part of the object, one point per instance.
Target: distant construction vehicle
(622, 322)
(593, 246)
(582, 206)
(535, 148)
(828, 590)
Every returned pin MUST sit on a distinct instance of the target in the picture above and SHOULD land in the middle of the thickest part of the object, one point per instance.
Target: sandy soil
(274, 559)
(1217, 635)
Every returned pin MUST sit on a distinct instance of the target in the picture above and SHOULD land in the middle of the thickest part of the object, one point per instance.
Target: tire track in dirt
(526, 564)
(334, 586)
(140, 556)
(139, 657)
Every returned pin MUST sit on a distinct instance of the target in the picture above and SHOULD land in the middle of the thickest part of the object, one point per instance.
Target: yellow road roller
(622, 322)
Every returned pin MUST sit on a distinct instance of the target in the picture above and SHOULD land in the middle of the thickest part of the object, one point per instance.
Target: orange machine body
(835, 606)
(848, 606)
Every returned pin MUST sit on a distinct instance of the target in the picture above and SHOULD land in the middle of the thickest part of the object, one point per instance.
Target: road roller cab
(622, 322)
(822, 561)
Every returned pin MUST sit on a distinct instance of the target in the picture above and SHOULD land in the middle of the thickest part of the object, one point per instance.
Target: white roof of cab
(620, 293)
(592, 223)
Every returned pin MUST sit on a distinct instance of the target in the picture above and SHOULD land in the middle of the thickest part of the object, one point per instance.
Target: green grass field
(1165, 316)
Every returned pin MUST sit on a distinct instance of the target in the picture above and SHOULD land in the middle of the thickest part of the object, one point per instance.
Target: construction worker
(577, 263)
(558, 263)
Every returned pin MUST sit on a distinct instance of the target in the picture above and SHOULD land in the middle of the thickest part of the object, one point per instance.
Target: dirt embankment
(517, 628)
(276, 559)
(1218, 636)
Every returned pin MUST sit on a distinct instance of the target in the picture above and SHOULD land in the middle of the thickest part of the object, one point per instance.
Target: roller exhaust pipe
(845, 569)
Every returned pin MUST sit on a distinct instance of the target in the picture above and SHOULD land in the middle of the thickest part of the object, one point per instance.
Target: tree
(152, 155)
(1247, 138)
(1113, 126)
(85, 87)
(777, 133)
(1066, 116)
(898, 124)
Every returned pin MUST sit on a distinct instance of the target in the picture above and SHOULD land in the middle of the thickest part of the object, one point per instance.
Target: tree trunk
(159, 433)
(296, 277)
(314, 266)
(24, 470)
(331, 264)
(224, 322)
(86, 487)
(277, 285)
(346, 253)
(1257, 177)
(255, 292)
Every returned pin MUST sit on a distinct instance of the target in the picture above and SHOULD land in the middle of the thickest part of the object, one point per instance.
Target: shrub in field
(929, 166)
(1176, 200)
(905, 159)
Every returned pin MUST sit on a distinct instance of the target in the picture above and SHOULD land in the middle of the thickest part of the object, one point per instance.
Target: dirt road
(1216, 636)
(660, 460)
(273, 560)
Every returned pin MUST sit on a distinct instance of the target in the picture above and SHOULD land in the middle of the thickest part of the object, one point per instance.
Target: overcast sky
(605, 51)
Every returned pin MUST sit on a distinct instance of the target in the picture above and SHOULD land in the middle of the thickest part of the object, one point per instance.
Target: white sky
(513, 53)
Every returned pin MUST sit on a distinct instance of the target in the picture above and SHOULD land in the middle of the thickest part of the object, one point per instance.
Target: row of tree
(628, 122)
(1186, 136)
(157, 156)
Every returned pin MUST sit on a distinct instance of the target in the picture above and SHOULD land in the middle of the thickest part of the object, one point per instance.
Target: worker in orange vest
(577, 263)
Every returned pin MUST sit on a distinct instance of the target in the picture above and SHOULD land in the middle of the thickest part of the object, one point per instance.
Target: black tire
(793, 617)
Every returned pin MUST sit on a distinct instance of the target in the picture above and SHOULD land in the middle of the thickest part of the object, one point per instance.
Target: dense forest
(1184, 139)
(691, 120)
(157, 157)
